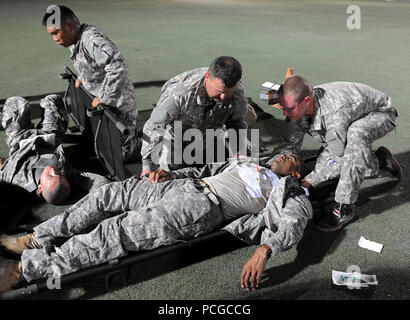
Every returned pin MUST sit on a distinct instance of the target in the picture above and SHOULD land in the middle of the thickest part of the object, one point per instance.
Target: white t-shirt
(244, 188)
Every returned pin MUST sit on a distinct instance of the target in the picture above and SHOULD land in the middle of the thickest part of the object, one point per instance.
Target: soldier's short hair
(58, 194)
(297, 87)
(66, 15)
(227, 69)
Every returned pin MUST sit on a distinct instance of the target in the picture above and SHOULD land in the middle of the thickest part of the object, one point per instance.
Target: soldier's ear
(307, 99)
(39, 189)
(309, 104)
(70, 27)
(296, 174)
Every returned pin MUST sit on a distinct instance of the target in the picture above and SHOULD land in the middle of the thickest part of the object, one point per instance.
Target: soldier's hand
(305, 183)
(145, 173)
(159, 175)
(78, 83)
(253, 269)
(96, 102)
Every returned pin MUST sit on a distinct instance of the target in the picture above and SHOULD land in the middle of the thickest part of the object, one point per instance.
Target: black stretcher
(99, 126)
(321, 198)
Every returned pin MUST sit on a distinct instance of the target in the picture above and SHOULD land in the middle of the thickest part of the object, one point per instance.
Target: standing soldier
(345, 118)
(202, 98)
(101, 68)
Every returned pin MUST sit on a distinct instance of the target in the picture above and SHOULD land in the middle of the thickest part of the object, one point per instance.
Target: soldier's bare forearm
(253, 269)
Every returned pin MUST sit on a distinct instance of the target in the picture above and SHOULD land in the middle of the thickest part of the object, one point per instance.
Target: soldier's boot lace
(16, 245)
(339, 216)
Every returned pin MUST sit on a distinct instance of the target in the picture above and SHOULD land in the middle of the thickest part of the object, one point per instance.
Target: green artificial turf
(163, 38)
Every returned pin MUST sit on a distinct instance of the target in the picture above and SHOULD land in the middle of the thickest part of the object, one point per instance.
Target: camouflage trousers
(16, 118)
(130, 141)
(116, 218)
(359, 160)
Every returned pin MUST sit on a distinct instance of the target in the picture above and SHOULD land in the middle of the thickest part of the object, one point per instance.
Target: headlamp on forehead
(269, 93)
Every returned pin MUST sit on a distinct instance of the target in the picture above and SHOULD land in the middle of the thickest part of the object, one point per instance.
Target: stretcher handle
(120, 126)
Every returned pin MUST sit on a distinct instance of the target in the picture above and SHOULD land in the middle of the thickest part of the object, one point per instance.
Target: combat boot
(334, 220)
(388, 162)
(16, 245)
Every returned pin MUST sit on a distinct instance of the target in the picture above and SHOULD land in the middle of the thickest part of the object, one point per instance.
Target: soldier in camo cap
(36, 160)
(266, 204)
(203, 98)
(101, 68)
(345, 118)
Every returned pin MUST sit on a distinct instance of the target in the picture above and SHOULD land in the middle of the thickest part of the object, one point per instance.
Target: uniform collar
(317, 115)
(75, 47)
(202, 97)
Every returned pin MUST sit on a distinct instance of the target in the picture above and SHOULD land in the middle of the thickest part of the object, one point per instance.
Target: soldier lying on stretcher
(264, 206)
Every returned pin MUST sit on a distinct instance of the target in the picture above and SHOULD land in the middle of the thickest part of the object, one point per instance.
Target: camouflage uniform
(104, 73)
(135, 214)
(33, 149)
(184, 98)
(348, 118)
